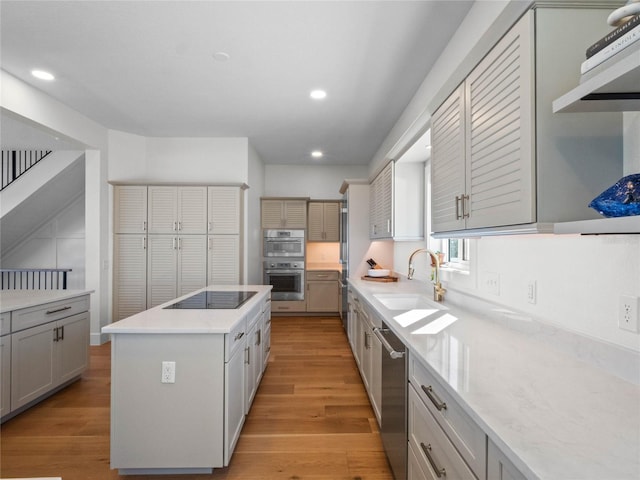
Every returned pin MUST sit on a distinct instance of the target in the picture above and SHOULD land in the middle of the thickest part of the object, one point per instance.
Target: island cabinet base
(167, 427)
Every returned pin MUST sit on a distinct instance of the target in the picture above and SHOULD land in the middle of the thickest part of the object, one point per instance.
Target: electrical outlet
(531, 291)
(628, 313)
(492, 282)
(168, 372)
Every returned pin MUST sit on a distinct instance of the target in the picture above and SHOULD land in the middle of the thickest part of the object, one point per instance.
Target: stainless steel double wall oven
(283, 263)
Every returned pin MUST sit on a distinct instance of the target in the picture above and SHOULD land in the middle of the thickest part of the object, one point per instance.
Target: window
(456, 252)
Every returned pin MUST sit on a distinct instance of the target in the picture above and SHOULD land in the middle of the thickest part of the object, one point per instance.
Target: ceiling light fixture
(318, 94)
(316, 154)
(42, 75)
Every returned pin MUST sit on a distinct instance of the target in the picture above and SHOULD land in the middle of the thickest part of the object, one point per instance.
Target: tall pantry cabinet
(171, 240)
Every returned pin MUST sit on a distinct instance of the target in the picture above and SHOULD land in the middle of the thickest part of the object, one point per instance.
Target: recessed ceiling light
(42, 75)
(318, 94)
(221, 56)
(316, 154)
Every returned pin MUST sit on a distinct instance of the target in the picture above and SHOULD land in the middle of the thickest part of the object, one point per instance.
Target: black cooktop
(213, 300)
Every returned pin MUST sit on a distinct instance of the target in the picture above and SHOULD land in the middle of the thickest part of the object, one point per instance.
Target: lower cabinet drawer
(463, 432)
(48, 312)
(436, 455)
(414, 470)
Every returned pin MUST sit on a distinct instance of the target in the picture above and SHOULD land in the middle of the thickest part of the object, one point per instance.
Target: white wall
(319, 182)
(253, 233)
(177, 160)
(60, 243)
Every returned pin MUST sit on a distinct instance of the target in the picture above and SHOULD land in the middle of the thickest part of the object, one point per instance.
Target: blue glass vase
(622, 199)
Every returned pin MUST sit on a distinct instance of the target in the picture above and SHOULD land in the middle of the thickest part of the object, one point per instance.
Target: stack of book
(625, 34)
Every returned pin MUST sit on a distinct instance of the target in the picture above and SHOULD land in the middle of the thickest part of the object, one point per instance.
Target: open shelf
(619, 225)
(613, 86)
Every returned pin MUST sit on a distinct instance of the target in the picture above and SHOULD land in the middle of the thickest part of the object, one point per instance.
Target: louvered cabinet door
(130, 209)
(163, 209)
(161, 269)
(192, 263)
(272, 214)
(129, 275)
(223, 259)
(295, 213)
(192, 210)
(332, 222)
(448, 163)
(385, 201)
(499, 140)
(224, 210)
(316, 222)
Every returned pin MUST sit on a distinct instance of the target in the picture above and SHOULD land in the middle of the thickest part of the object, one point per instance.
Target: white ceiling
(147, 67)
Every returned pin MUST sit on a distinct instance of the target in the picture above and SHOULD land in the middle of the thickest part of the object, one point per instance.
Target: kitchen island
(494, 393)
(182, 381)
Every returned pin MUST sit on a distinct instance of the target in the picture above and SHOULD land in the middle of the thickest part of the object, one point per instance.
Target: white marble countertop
(529, 386)
(175, 321)
(11, 300)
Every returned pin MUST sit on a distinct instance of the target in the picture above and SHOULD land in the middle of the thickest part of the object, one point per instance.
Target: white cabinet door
(499, 467)
(130, 209)
(177, 209)
(33, 363)
(448, 163)
(234, 392)
(223, 259)
(162, 282)
(192, 210)
(253, 362)
(224, 210)
(192, 263)
(73, 346)
(163, 209)
(499, 138)
(129, 275)
(5, 375)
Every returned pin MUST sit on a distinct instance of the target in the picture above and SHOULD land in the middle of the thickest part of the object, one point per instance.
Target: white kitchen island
(189, 423)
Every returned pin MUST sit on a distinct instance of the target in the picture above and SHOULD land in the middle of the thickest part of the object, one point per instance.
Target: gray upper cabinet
(381, 204)
(502, 161)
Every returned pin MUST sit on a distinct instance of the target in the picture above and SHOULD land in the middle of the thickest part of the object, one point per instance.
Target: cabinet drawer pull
(238, 336)
(56, 336)
(465, 214)
(427, 451)
(439, 404)
(61, 332)
(62, 309)
(458, 217)
(144, 226)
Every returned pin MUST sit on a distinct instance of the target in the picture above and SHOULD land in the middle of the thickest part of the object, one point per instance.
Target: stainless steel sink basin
(407, 301)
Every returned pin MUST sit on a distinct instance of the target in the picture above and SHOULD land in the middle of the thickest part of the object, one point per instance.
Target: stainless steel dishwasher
(394, 401)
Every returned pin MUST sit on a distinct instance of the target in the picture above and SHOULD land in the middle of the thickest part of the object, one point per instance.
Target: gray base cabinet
(48, 347)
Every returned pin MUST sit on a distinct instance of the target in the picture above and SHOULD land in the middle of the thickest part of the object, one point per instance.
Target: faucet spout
(438, 290)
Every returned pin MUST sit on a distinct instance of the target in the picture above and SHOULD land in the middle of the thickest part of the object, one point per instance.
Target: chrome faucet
(438, 290)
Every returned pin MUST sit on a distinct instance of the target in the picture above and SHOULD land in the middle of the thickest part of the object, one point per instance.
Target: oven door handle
(283, 272)
(378, 332)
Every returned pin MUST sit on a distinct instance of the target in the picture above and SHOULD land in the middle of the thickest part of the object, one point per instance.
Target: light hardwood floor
(311, 419)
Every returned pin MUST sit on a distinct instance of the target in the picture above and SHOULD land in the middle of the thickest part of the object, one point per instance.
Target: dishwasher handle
(385, 343)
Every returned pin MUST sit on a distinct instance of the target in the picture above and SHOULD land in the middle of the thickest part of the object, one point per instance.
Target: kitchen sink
(407, 301)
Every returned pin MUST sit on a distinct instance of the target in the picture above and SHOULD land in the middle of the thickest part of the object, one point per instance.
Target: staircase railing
(33, 278)
(16, 162)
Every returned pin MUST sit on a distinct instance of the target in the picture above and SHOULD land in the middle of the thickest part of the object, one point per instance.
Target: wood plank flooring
(311, 419)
